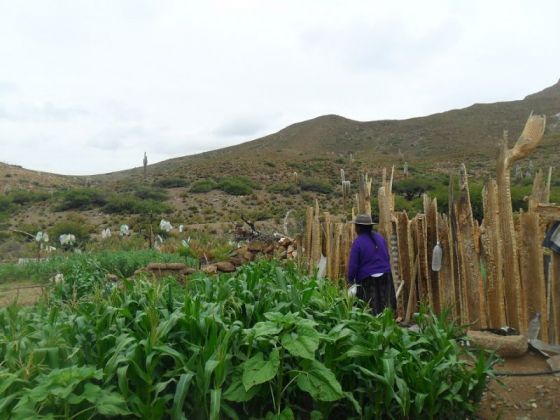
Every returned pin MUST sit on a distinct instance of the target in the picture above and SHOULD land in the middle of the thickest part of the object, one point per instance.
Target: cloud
(46, 111)
(88, 86)
(7, 88)
(241, 126)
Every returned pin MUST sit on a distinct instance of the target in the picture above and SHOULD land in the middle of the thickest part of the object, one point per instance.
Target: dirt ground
(523, 397)
(24, 293)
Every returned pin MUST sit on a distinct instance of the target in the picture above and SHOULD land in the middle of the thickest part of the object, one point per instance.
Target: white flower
(42, 237)
(124, 231)
(106, 233)
(67, 239)
(181, 228)
(165, 225)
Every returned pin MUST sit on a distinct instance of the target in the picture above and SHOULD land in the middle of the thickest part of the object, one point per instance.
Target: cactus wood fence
(492, 274)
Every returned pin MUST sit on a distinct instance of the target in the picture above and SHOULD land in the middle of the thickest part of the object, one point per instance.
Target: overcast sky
(88, 86)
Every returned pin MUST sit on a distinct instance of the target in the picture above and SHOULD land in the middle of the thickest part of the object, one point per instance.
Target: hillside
(258, 178)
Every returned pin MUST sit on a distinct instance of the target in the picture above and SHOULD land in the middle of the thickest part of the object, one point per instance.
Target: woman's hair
(363, 229)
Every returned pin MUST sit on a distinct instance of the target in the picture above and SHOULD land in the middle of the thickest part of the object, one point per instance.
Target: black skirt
(379, 292)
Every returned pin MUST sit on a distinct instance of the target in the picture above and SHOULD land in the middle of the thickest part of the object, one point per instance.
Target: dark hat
(363, 219)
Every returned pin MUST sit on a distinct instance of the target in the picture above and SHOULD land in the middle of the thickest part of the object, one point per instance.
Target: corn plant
(266, 342)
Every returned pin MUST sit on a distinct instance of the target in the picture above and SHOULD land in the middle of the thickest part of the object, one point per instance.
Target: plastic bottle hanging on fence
(436, 257)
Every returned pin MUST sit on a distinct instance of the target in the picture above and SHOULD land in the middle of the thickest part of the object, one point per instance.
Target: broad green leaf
(265, 328)
(302, 343)
(320, 382)
(180, 395)
(256, 370)
(215, 401)
(419, 402)
(236, 392)
(112, 404)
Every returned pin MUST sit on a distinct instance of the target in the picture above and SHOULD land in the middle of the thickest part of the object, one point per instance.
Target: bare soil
(523, 397)
(22, 292)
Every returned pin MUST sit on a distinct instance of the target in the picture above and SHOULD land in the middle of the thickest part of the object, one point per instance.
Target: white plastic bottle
(436, 257)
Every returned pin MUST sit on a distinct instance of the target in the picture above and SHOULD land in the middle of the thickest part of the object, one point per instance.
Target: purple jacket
(366, 258)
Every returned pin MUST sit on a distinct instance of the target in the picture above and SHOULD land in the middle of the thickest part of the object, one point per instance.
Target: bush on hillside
(284, 188)
(81, 199)
(203, 186)
(316, 185)
(130, 204)
(171, 183)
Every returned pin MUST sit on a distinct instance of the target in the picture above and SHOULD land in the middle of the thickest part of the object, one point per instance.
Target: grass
(121, 263)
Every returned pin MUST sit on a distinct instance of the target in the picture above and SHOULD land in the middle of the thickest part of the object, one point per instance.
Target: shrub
(171, 183)
(316, 185)
(130, 204)
(23, 196)
(81, 199)
(284, 188)
(150, 193)
(413, 187)
(76, 227)
(203, 186)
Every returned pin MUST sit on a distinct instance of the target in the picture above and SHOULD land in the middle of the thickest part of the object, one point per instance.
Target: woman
(369, 267)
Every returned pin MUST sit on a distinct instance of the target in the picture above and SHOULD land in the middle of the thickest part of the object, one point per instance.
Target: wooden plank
(430, 210)
(446, 279)
(406, 261)
(492, 256)
(555, 296)
(468, 257)
(422, 252)
(533, 284)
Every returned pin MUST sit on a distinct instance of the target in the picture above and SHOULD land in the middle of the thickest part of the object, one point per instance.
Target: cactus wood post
(446, 274)
(430, 210)
(364, 194)
(468, 257)
(528, 140)
(145, 162)
(492, 253)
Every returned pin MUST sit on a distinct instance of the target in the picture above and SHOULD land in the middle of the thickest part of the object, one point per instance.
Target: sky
(88, 86)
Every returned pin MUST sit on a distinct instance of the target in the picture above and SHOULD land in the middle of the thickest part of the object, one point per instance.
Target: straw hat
(363, 219)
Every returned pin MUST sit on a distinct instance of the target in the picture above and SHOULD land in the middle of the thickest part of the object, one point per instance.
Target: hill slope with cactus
(262, 179)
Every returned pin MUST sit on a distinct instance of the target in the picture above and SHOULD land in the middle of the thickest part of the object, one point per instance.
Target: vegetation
(131, 204)
(239, 185)
(266, 342)
(316, 185)
(203, 186)
(81, 199)
(174, 182)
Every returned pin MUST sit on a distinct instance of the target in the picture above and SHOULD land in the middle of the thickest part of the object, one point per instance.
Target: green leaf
(180, 395)
(215, 401)
(256, 370)
(303, 342)
(320, 382)
(265, 328)
(236, 392)
(419, 402)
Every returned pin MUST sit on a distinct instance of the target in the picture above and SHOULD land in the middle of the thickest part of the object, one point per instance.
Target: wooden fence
(493, 274)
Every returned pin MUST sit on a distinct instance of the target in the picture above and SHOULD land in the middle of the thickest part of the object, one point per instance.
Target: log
(504, 345)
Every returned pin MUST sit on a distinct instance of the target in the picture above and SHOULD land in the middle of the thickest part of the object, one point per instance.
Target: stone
(112, 277)
(554, 363)
(225, 267)
(256, 246)
(237, 261)
(504, 345)
(248, 255)
(210, 269)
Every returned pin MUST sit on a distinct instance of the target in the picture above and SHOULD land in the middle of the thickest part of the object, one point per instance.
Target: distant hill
(206, 188)
(470, 134)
